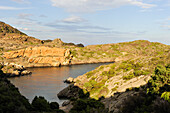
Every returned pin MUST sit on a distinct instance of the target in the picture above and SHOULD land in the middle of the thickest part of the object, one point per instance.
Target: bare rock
(69, 92)
(69, 80)
(41, 56)
(12, 70)
(57, 40)
(25, 72)
(65, 103)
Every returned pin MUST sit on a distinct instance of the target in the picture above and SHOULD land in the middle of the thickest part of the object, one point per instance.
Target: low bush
(128, 77)
(87, 106)
(40, 104)
(54, 105)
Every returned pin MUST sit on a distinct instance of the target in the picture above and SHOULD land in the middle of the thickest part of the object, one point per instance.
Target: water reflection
(48, 82)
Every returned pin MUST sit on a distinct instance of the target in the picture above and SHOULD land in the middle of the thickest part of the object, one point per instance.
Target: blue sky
(90, 21)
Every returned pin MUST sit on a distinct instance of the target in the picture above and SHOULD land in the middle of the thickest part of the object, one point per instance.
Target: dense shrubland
(153, 97)
(88, 106)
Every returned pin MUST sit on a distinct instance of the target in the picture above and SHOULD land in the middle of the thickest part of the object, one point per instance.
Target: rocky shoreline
(92, 62)
(14, 70)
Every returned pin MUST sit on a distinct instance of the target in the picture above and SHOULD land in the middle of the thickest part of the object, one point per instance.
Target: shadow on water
(48, 81)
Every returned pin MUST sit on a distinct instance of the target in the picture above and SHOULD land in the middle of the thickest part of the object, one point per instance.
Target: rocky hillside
(116, 51)
(15, 47)
(153, 97)
(134, 64)
(12, 39)
(6, 29)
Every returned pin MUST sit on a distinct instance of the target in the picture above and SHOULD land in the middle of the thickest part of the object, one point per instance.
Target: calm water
(48, 82)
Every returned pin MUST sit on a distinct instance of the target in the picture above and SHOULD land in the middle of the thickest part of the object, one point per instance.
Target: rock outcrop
(40, 56)
(114, 103)
(69, 80)
(69, 92)
(57, 40)
(12, 70)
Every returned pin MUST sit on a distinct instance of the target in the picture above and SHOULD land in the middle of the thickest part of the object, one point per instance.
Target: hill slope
(7, 29)
(134, 64)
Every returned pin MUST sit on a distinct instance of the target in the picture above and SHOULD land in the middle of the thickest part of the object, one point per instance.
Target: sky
(90, 21)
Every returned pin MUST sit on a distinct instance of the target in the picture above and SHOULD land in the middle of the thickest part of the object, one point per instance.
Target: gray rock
(65, 103)
(69, 92)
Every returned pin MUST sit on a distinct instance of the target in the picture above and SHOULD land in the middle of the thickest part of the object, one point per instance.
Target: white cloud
(11, 8)
(140, 4)
(25, 29)
(95, 5)
(73, 19)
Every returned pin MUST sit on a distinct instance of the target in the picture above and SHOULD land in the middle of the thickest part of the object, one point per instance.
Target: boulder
(25, 72)
(69, 92)
(15, 73)
(69, 80)
(65, 103)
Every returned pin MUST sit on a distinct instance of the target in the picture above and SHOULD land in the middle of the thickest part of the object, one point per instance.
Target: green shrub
(82, 94)
(95, 104)
(140, 72)
(88, 86)
(1, 66)
(40, 104)
(93, 82)
(128, 77)
(11, 101)
(87, 106)
(59, 111)
(109, 73)
(160, 81)
(1, 73)
(54, 105)
(114, 89)
(79, 105)
(89, 74)
(166, 96)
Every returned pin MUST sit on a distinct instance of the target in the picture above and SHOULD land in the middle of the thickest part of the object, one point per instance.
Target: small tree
(40, 104)
(54, 105)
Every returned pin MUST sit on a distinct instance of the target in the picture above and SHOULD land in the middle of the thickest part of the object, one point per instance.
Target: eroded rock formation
(37, 56)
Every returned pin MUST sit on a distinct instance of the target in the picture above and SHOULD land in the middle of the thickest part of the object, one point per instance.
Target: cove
(48, 82)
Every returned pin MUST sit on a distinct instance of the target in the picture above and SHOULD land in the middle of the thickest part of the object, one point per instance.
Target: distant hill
(5, 28)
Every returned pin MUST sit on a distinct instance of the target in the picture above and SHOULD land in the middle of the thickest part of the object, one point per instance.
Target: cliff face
(40, 56)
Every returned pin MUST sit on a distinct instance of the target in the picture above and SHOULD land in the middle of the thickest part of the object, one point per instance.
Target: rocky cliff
(39, 56)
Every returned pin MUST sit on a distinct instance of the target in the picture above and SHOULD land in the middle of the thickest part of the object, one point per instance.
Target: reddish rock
(42, 55)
